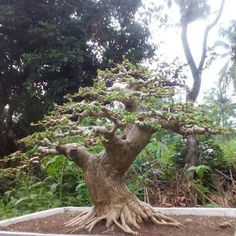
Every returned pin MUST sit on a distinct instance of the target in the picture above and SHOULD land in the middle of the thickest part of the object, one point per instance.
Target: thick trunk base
(126, 216)
(114, 204)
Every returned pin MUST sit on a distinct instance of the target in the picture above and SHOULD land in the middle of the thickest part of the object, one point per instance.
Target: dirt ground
(192, 226)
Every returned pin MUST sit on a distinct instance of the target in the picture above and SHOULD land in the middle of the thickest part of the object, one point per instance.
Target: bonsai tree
(120, 113)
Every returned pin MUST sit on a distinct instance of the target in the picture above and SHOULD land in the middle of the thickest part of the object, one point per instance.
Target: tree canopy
(103, 128)
(51, 48)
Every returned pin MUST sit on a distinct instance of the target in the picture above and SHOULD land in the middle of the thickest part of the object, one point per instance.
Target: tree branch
(192, 93)
(196, 71)
(122, 151)
(76, 153)
(187, 51)
(45, 151)
(207, 30)
(104, 113)
(183, 129)
(177, 126)
(108, 131)
(73, 151)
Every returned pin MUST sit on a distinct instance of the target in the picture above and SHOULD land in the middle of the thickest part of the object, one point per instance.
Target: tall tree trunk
(192, 155)
(8, 138)
(196, 71)
(192, 94)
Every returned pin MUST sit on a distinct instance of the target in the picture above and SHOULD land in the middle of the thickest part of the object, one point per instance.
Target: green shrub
(229, 152)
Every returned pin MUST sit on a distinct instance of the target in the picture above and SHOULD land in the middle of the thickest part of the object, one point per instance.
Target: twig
(212, 202)
(226, 176)
(146, 197)
(231, 177)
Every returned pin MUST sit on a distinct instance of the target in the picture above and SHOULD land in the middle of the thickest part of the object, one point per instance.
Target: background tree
(228, 72)
(222, 108)
(191, 11)
(45, 53)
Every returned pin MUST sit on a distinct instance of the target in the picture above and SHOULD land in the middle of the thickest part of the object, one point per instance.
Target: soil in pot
(192, 226)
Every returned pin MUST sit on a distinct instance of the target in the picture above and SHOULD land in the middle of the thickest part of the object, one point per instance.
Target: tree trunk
(113, 202)
(112, 199)
(8, 137)
(192, 155)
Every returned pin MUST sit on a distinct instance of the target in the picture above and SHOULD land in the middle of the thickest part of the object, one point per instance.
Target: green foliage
(201, 183)
(28, 195)
(153, 165)
(61, 185)
(228, 147)
(209, 154)
(200, 170)
(156, 165)
(220, 105)
(65, 178)
(46, 52)
(129, 117)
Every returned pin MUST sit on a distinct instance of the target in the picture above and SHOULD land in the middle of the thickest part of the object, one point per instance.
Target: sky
(171, 46)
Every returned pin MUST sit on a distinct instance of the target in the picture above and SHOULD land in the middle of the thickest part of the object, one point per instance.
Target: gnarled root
(124, 216)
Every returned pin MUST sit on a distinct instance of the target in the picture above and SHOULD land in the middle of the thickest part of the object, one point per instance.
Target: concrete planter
(224, 212)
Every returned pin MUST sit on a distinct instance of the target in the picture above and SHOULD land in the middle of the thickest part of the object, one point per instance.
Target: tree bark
(8, 137)
(113, 202)
(192, 155)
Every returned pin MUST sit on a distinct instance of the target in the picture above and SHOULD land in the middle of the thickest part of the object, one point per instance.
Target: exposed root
(127, 217)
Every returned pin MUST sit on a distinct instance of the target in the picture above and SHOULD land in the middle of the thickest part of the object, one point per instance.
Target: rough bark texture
(196, 73)
(113, 202)
(192, 155)
(192, 144)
